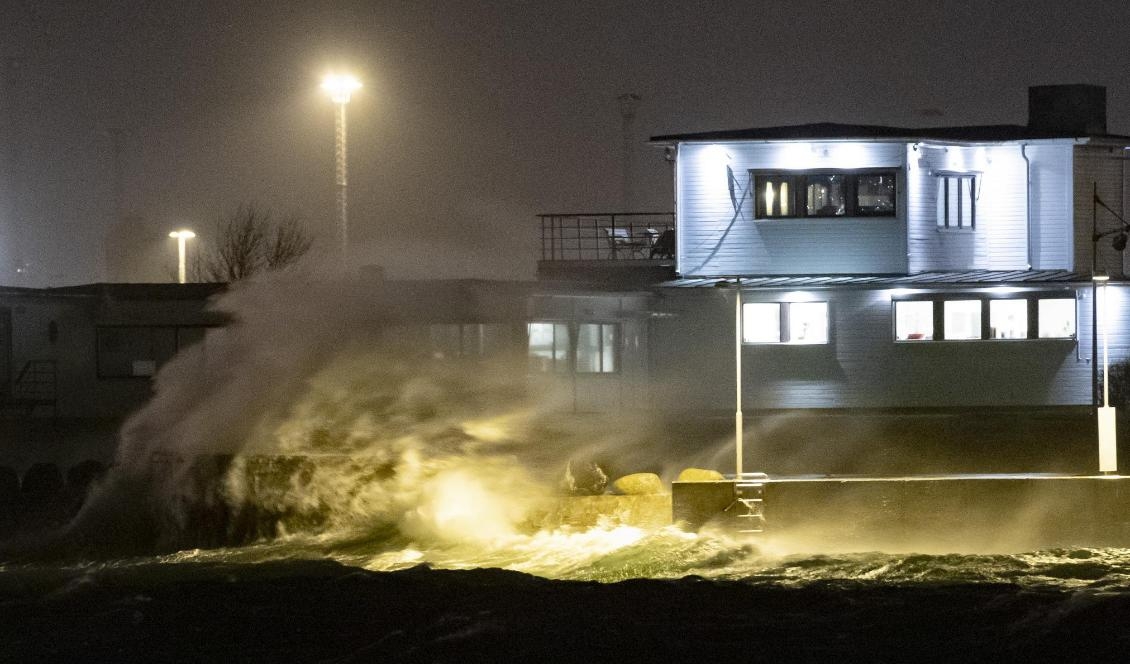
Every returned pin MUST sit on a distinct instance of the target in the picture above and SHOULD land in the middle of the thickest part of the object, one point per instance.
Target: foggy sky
(475, 116)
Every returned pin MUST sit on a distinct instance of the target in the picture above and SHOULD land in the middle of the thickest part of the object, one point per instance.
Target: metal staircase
(749, 493)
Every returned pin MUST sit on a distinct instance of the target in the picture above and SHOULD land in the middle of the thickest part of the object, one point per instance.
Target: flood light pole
(340, 87)
(738, 424)
(1105, 415)
(1108, 436)
(182, 237)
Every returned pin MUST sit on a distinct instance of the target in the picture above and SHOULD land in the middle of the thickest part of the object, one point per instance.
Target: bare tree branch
(289, 243)
(247, 241)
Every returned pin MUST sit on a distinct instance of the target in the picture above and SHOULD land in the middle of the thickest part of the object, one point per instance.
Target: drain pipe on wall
(1028, 198)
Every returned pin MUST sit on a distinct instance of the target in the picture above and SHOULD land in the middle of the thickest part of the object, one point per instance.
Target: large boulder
(699, 475)
(584, 478)
(638, 484)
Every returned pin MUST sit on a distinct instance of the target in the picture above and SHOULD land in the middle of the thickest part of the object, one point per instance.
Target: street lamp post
(739, 424)
(341, 87)
(1108, 437)
(1105, 415)
(182, 237)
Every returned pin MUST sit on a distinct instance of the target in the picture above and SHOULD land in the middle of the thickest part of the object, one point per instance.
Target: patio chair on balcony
(664, 245)
(625, 244)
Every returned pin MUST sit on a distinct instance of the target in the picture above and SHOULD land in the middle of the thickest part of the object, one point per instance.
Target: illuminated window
(1008, 319)
(596, 347)
(824, 193)
(875, 194)
(962, 319)
(774, 196)
(808, 322)
(548, 347)
(761, 322)
(914, 321)
(1057, 318)
(785, 322)
(957, 201)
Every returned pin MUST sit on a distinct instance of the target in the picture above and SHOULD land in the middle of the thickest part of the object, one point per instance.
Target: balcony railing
(607, 236)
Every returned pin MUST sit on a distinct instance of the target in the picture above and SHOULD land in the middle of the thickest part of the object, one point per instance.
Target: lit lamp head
(340, 87)
(186, 234)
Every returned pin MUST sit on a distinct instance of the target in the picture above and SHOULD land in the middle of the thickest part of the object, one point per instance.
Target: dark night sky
(475, 115)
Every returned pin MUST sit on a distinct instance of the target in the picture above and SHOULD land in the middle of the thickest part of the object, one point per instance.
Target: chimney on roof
(1070, 109)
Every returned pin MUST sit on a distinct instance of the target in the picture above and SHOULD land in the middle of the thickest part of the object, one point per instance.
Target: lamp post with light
(182, 236)
(341, 87)
(1105, 415)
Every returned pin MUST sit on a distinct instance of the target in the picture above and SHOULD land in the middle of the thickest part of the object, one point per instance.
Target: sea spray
(306, 417)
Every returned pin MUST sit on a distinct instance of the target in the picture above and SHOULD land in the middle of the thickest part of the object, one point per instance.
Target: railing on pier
(601, 236)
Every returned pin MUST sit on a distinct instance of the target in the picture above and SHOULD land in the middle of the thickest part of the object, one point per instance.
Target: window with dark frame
(957, 201)
(788, 323)
(548, 347)
(583, 348)
(824, 193)
(977, 317)
(596, 347)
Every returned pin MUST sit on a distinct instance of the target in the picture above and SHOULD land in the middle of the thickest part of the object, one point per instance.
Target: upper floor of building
(863, 199)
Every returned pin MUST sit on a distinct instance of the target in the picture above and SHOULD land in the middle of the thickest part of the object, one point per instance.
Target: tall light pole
(340, 87)
(182, 236)
(739, 425)
(1105, 415)
(1108, 440)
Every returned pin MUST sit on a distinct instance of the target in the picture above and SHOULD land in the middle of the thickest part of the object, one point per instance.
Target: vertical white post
(340, 180)
(738, 381)
(182, 250)
(1108, 436)
(182, 237)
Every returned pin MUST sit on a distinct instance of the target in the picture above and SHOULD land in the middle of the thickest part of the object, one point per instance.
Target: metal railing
(35, 386)
(600, 236)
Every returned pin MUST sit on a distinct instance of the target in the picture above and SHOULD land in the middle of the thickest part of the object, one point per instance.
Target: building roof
(831, 131)
(136, 291)
(970, 278)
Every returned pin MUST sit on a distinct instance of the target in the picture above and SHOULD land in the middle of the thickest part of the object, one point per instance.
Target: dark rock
(584, 478)
(43, 481)
(83, 474)
(9, 485)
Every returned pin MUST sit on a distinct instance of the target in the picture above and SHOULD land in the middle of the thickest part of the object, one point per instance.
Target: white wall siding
(863, 366)
(1000, 239)
(1052, 206)
(715, 240)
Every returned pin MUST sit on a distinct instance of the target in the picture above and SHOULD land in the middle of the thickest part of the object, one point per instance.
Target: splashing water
(296, 434)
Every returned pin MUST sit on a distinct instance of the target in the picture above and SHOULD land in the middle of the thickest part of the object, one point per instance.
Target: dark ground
(323, 612)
